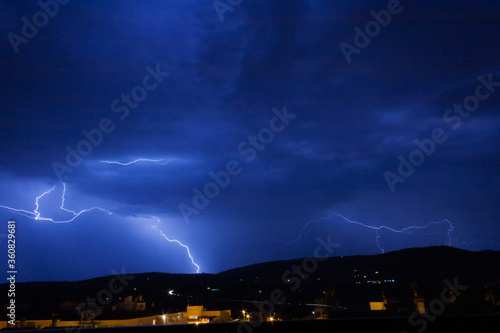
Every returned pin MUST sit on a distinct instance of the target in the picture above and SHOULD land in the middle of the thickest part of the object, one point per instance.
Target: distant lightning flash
(36, 215)
(155, 227)
(160, 161)
(378, 228)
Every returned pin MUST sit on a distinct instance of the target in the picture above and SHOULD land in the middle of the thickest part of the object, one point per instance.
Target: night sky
(244, 132)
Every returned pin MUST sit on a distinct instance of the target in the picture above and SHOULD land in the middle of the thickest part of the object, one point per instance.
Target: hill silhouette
(346, 284)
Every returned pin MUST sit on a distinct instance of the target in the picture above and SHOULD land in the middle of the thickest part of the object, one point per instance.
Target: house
(131, 304)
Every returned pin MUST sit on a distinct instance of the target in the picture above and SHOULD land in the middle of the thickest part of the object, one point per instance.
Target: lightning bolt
(36, 215)
(378, 228)
(160, 161)
(155, 227)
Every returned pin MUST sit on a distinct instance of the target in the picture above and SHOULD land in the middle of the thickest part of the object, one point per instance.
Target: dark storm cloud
(353, 120)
